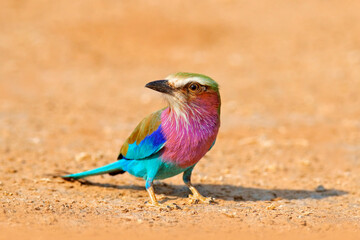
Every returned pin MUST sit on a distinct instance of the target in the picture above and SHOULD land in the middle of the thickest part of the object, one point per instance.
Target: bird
(171, 140)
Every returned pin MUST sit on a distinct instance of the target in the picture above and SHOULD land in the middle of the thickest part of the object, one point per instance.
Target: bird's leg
(150, 190)
(195, 193)
(154, 201)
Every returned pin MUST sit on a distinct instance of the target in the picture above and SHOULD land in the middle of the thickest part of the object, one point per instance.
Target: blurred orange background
(72, 76)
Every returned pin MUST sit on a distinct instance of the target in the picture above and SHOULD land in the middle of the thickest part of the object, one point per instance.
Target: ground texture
(287, 158)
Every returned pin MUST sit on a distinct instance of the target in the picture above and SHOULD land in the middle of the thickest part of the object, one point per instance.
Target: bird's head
(188, 90)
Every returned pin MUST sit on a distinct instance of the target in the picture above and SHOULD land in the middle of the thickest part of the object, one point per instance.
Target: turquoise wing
(146, 140)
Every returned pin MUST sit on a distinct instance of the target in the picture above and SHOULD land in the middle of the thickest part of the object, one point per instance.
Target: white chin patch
(177, 104)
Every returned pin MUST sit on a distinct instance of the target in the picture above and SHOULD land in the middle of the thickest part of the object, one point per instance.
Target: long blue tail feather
(112, 168)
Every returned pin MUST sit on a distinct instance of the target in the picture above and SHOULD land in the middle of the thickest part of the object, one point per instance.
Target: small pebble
(82, 156)
(10, 170)
(271, 207)
(228, 214)
(320, 188)
(194, 212)
(175, 206)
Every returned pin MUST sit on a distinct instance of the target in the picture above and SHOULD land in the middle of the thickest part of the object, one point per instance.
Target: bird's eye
(194, 87)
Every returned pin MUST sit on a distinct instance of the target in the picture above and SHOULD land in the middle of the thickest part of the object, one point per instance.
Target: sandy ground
(287, 158)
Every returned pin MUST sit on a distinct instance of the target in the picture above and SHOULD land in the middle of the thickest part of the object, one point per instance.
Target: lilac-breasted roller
(172, 140)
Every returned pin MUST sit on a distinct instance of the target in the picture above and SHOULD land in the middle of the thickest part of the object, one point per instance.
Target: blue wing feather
(146, 140)
(151, 144)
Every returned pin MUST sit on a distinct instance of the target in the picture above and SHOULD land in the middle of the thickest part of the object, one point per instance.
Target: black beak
(160, 86)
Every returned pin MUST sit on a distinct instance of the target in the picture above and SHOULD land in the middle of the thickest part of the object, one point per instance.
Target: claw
(160, 206)
(200, 199)
(196, 197)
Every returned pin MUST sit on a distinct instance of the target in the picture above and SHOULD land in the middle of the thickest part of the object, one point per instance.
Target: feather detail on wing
(145, 140)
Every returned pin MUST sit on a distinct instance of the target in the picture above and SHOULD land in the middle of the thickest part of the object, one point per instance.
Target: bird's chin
(174, 101)
(168, 98)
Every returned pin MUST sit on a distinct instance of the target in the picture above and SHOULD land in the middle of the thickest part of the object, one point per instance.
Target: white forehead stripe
(180, 82)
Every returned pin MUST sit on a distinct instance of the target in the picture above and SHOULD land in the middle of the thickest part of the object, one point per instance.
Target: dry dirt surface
(287, 159)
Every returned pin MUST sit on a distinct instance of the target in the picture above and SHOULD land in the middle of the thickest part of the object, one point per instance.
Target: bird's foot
(195, 199)
(162, 206)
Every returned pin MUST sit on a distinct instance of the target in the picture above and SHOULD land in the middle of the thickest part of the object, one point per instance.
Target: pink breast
(188, 141)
